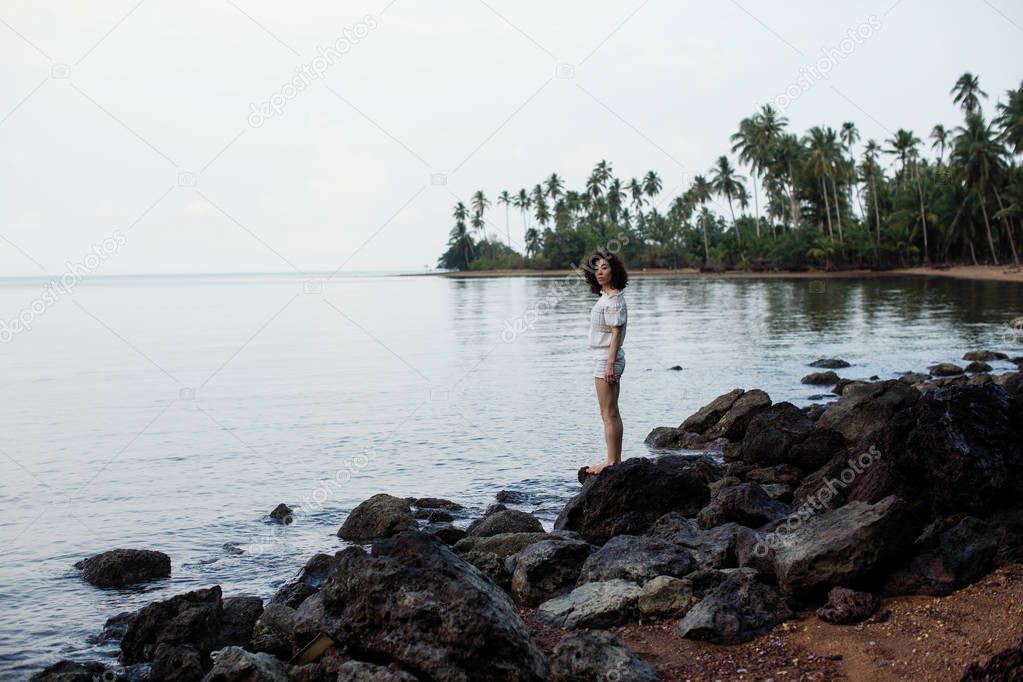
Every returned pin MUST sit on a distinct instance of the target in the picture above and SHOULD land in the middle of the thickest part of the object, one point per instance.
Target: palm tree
(532, 242)
(903, 146)
(701, 193)
(966, 90)
(850, 136)
(941, 137)
(787, 155)
(554, 187)
(461, 240)
(871, 172)
(479, 205)
(977, 162)
(725, 182)
(746, 143)
(636, 192)
(822, 161)
(1010, 118)
(615, 198)
(506, 199)
(651, 185)
(523, 203)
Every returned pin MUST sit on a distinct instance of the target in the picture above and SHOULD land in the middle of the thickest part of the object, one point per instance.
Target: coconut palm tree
(787, 155)
(872, 172)
(533, 244)
(941, 138)
(701, 193)
(976, 163)
(746, 142)
(966, 91)
(850, 136)
(1010, 118)
(480, 204)
(822, 160)
(554, 187)
(505, 198)
(615, 199)
(725, 182)
(903, 146)
(652, 185)
(636, 193)
(523, 203)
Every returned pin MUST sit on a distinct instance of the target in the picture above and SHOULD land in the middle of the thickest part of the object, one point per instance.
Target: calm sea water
(175, 412)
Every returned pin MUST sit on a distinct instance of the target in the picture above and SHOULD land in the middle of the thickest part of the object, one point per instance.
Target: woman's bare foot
(597, 468)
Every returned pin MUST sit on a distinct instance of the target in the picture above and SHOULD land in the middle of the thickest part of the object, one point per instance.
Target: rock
(189, 619)
(492, 566)
(313, 617)
(772, 433)
(592, 605)
(977, 366)
(446, 532)
(282, 514)
(637, 559)
(274, 632)
(859, 415)
(428, 514)
(984, 356)
(379, 516)
(960, 556)
(734, 422)
(913, 378)
(824, 489)
(830, 363)
(234, 664)
(596, 655)
(121, 567)
(722, 483)
(847, 606)
(712, 548)
(980, 378)
(666, 597)
(176, 664)
(232, 548)
(667, 437)
(115, 627)
(437, 503)
(547, 569)
(945, 369)
(415, 602)
(503, 544)
(309, 580)
(778, 491)
(840, 546)
(74, 671)
(359, 671)
(709, 414)
(239, 618)
(820, 379)
(738, 609)
(785, 474)
(1012, 382)
(629, 497)
(505, 521)
(816, 449)
(512, 496)
(746, 504)
(1006, 665)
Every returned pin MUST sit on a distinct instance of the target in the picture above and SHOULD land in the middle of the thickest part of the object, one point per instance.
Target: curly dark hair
(619, 277)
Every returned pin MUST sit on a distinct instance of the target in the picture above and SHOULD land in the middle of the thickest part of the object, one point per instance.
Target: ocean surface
(175, 412)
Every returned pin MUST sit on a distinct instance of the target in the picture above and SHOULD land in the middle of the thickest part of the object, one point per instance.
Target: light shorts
(600, 364)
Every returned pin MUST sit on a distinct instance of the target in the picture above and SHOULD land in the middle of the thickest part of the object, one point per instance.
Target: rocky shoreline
(766, 515)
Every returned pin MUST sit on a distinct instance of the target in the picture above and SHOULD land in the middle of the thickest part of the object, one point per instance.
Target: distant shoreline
(971, 272)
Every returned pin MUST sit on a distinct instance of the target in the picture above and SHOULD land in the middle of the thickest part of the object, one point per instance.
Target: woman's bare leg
(607, 398)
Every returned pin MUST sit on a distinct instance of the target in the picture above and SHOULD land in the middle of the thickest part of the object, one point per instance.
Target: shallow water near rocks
(174, 413)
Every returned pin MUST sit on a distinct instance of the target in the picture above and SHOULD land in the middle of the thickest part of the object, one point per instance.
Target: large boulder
(380, 516)
(862, 413)
(74, 671)
(597, 655)
(191, 619)
(593, 605)
(840, 546)
(274, 631)
(629, 497)
(176, 664)
(506, 544)
(636, 558)
(747, 504)
(235, 664)
(505, 521)
(415, 602)
(239, 618)
(957, 557)
(710, 548)
(733, 423)
(708, 415)
(547, 568)
(738, 609)
(121, 567)
(666, 597)
(772, 433)
(309, 581)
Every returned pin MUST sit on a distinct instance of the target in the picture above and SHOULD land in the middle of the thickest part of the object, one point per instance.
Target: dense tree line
(806, 201)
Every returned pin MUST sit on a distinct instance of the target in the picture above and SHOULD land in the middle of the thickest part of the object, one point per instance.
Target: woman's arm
(612, 354)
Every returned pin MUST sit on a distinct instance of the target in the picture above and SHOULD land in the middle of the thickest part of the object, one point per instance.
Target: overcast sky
(144, 123)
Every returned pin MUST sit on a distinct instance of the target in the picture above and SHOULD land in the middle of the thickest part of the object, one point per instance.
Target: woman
(607, 277)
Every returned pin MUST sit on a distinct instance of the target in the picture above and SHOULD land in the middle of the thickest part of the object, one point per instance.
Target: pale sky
(133, 121)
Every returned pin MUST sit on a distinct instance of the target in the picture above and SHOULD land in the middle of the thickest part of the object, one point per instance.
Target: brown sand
(911, 638)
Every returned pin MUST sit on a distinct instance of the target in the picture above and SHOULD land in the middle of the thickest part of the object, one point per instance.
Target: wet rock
(379, 516)
(234, 664)
(733, 423)
(122, 567)
(841, 546)
(592, 605)
(746, 504)
(914, 378)
(945, 369)
(975, 367)
(861, 414)
(984, 356)
(1006, 665)
(274, 631)
(437, 503)
(548, 568)
(282, 514)
(597, 655)
(415, 602)
(359, 671)
(232, 548)
(738, 609)
(820, 379)
(505, 521)
(428, 514)
(115, 627)
(847, 606)
(446, 532)
(73, 671)
(830, 363)
(190, 619)
(176, 664)
(239, 617)
(709, 414)
(666, 597)
(309, 580)
(512, 496)
(637, 559)
(629, 497)
(958, 557)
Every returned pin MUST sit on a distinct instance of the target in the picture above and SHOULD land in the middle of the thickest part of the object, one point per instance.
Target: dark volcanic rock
(636, 558)
(945, 369)
(820, 379)
(547, 568)
(747, 504)
(379, 516)
(668, 437)
(447, 533)
(816, 450)
(121, 567)
(274, 632)
(593, 605)
(709, 414)
(491, 565)
(360, 671)
(629, 497)
(1005, 666)
(734, 422)
(984, 356)
(505, 544)
(830, 363)
(309, 580)
(282, 514)
(597, 655)
(74, 671)
(861, 413)
(190, 619)
(975, 367)
(847, 606)
(713, 548)
(785, 474)
(958, 557)
(505, 521)
(738, 609)
(234, 664)
(437, 503)
(416, 602)
(773, 432)
(428, 514)
(176, 664)
(240, 616)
